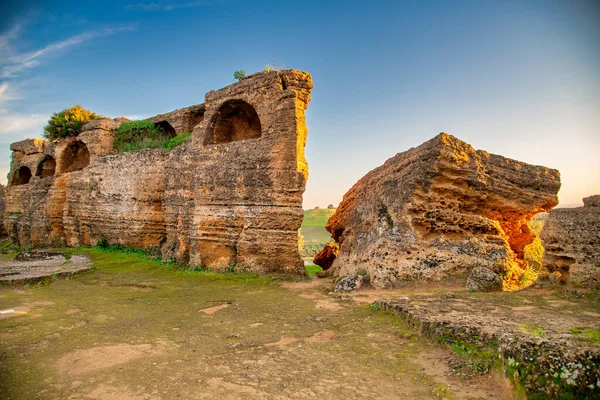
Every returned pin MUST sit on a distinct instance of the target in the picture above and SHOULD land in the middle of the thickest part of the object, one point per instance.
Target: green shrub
(68, 122)
(534, 252)
(142, 134)
(178, 140)
(239, 75)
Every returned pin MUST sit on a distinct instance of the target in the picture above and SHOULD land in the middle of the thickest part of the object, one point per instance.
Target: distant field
(314, 232)
(317, 218)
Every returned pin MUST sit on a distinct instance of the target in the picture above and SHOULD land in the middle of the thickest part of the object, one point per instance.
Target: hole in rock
(22, 176)
(167, 128)
(46, 168)
(235, 120)
(75, 157)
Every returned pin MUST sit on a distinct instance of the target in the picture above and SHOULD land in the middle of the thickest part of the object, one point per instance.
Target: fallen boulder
(325, 257)
(439, 209)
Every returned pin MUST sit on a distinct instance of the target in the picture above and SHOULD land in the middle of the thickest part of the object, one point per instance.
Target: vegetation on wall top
(143, 134)
(68, 122)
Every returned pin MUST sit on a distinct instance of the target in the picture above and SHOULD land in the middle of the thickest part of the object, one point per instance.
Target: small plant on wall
(239, 75)
(68, 122)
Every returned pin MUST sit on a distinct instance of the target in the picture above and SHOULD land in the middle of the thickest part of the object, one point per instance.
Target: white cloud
(7, 37)
(12, 63)
(163, 6)
(16, 124)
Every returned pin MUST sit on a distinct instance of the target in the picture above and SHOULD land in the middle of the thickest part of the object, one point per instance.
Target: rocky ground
(36, 266)
(136, 329)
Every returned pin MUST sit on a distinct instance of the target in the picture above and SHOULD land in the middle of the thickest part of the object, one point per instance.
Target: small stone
(483, 280)
(351, 283)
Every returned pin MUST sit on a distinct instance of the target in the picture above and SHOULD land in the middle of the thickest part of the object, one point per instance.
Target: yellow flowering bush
(68, 122)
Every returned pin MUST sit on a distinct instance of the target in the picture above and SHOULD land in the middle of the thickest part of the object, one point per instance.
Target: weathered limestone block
(247, 172)
(117, 198)
(439, 208)
(29, 146)
(571, 238)
(232, 197)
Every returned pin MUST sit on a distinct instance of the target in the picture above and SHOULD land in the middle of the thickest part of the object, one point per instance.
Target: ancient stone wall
(232, 197)
(439, 208)
(180, 121)
(571, 239)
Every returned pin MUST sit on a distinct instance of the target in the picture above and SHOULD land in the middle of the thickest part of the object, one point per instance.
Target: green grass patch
(313, 269)
(317, 217)
(588, 334)
(531, 329)
(314, 232)
(178, 140)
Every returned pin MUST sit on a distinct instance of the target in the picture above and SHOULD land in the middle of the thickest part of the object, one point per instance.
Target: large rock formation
(571, 238)
(439, 208)
(231, 196)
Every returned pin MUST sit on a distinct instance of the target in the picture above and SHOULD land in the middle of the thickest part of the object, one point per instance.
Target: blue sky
(516, 78)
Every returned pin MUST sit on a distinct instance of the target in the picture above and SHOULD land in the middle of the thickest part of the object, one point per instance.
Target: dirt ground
(135, 329)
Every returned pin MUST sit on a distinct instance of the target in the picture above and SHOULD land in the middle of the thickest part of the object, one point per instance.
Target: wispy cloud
(7, 93)
(8, 37)
(166, 6)
(14, 124)
(12, 63)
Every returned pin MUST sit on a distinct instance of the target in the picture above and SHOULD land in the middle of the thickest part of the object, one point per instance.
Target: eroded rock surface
(540, 338)
(571, 238)
(231, 196)
(34, 266)
(439, 208)
(483, 280)
(351, 283)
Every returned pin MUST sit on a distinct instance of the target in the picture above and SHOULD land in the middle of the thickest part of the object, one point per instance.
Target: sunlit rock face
(571, 238)
(439, 209)
(230, 197)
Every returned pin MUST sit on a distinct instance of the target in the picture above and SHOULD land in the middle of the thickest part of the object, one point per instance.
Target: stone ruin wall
(231, 196)
(571, 239)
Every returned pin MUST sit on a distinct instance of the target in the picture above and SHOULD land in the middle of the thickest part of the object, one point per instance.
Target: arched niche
(235, 120)
(22, 176)
(75, 157)
(47, 167)
(194, 119)
(167, 128)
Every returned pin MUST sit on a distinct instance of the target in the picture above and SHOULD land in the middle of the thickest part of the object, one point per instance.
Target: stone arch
(22, 176)
(75, 157)
(167, 128)
(235, 120)
(194, 119)
(47, 167)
